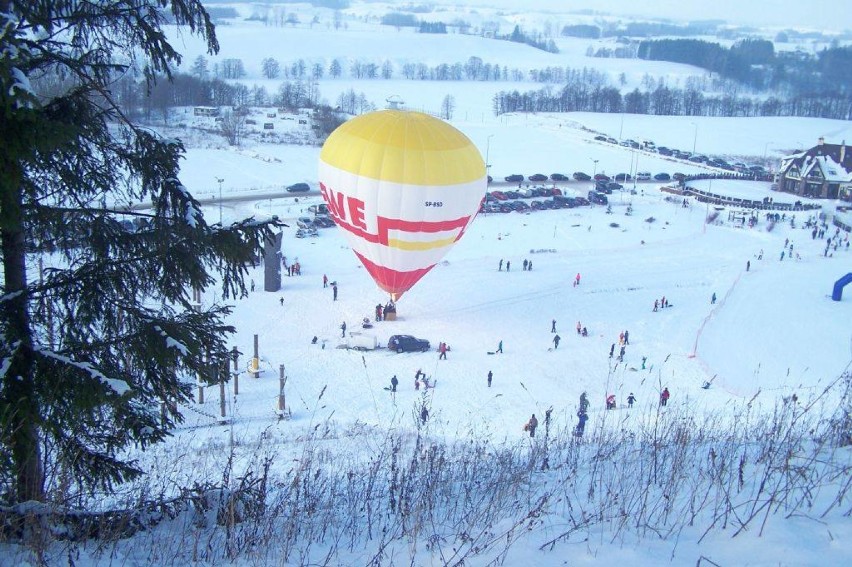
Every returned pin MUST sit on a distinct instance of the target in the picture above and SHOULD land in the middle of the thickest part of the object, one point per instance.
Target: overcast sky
(811, 14)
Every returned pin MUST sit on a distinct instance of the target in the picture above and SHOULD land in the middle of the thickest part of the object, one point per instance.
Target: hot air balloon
(403, 186)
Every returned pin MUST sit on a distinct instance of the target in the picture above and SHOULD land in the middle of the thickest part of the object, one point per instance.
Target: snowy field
(773, 332)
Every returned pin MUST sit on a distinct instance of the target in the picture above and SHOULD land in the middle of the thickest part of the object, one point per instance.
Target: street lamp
(695, 138)
(594, 172)
(487, 150)
(220, 180)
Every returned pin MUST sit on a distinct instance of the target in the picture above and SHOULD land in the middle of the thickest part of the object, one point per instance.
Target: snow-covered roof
(833, 160)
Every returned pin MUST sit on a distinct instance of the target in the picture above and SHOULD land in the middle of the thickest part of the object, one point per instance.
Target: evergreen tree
(100, 347)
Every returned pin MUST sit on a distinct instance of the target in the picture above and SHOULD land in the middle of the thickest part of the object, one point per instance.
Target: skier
(577, 279)
(611, 350)
(524, 267)
(531, 425)
(500, 266)
(324, 280)
(553, 326)
(442, 348)
(713, 299)
(621, 354)
(334, 290)
(610, 402)
(626, 337)
(394, 383)
(630, 399)
(252, 285)
(585, 332)
(490, 375)
(584, 402)
(664, 397)
(748, 265)
(581, 424)
(507, 265)
(656, 304)
(529, 265)
(343, 330)
(556, 340)
(281, 301)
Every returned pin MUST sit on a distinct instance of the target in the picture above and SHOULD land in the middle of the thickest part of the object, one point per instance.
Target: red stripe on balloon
(392, 281)
(385, 225)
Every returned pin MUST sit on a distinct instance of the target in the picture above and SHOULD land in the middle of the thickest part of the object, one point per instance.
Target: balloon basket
(390, 316)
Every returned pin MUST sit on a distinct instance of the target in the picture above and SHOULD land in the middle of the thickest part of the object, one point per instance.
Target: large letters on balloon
(403, 186)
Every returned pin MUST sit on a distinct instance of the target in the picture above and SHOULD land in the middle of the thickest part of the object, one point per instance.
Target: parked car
(525, 192)
(663, 177)
(506, 208)
(513, 194)
(622, 177)
(499, 195)
(535, 205)
(298, 188)
(613, 186)
(643, 176)
(305, 222)
(407, 343)
(597, 198)
(603, 187)
(514, 178)
(679, 176)
(581, 201)
(601, 177)
(580, 176)
(521, 206)
(664, 151)
(323, 222)
(558, 177)
(600, 138)
(537, 177)
(540, 192)
(321, 209)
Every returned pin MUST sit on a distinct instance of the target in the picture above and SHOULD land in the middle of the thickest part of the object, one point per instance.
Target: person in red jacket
(664, 397)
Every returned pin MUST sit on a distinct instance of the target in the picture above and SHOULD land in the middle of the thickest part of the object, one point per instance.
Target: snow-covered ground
(774, 330)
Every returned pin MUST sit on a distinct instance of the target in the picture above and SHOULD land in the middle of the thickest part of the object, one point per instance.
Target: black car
(622, 177)
(514, 178)
(613, 186)
(597, 198)
(537, 177)
(407, 343)
(662, 177)
(580, 176)
(558, 177)
(513, 195)
(600, 138)
(603, 187)
(298, 188)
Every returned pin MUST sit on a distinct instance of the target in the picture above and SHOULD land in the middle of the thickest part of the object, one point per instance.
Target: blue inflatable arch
(838, 286)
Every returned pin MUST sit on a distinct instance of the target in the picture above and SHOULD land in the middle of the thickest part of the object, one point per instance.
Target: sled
(490, 352)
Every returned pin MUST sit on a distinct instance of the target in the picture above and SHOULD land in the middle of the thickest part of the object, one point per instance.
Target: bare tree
(447, 107)
(270, 68)
(232, 127)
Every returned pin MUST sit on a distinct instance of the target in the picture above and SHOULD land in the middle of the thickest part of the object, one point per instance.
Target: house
(206, 111)
(823, 171)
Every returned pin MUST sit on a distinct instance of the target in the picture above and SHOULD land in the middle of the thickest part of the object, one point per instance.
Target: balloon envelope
(403, 186)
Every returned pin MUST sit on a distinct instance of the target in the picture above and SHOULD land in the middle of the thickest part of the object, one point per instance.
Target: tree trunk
(19, 415)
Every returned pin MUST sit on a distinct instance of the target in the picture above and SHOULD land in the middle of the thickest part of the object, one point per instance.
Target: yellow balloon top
(404, 147)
